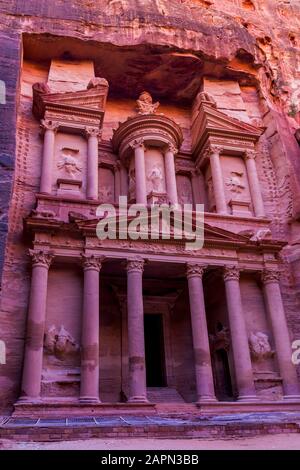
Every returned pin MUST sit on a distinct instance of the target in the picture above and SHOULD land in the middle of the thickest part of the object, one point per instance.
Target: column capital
(135, 264)
(213, 150)
(195, 270)
(270, 275)
(117, 166)
(140, 142)
(231, 273)
(250, 155)
(41, 258)
(92, 132)
(171, 148)
(91, 262)
(49, 125)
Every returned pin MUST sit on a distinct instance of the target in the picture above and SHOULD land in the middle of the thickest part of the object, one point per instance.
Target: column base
(206, 399)
(89, 400)
(31, 400)
(138, 399)
(247, 398)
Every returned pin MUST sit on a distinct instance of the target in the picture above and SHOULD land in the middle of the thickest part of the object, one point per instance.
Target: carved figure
(68, 162)
(220, 340)
(155, 177)
(106, 194)
(145, 104)
(59, 343)
(262, 234)
(234, 182)
(260, 347)
(131, 185)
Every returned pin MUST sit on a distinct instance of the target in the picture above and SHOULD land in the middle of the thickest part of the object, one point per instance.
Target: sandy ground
(269, 442)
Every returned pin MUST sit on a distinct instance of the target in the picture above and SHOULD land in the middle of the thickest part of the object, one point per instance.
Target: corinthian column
(254, 184)
(171, 174)
(136, 343)
(217, 180)
(140, 175)
(92, 162)
(89, 385)
(50, 128)
(204, 376)
(281, 336)
(239, 337)
(33, 357)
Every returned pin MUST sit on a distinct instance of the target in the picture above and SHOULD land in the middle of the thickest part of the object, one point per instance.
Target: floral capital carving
(136, 264)
(91, 262)
(137, 143)
(172, 148)
(48, 125)
(270, 275)
(41, 258)
(231, 273)
(194, 270)
(92, 132)
(250, 155)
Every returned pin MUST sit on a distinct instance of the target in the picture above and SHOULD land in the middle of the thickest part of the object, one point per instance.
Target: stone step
(164, 395)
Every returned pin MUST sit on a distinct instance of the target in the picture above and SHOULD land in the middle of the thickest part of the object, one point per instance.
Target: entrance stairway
(164, 395)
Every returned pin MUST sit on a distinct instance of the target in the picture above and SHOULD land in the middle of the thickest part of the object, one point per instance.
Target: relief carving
(69, 163)
(145, 104)
(106, 194)
(220, 340)
(155, 177)
(59, 342)
(131, 185)
(235, 183)
(260, 347)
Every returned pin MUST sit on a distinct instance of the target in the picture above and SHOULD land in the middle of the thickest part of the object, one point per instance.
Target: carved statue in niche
(131, 185)
(260, 347)
(235, 183)
(145, 104)
(59, 343)
(106, 194)
(185, 194)
(155, 177)
(69, 162)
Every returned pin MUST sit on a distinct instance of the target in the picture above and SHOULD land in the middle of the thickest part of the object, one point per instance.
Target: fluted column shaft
(217, 180)
(171, 174)
(50, 129)
(136, 342)
(92, 162)
(203, 369)
(89, 385)
(33, 357)
(275, 310)
(254, 185)
(239, 337)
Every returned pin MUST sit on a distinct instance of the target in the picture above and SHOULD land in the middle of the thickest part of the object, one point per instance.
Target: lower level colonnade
(137, 385)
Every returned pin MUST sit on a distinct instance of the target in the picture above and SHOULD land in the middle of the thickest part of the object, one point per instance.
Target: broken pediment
(209, 122)
(87, 105)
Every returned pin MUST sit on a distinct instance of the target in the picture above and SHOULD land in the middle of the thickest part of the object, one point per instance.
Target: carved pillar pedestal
(89, 385)
(239, 337)
(136, 342)
(33, 357)
(282, 341)
(203, 369)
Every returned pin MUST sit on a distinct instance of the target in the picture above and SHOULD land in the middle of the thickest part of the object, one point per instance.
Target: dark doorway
(154, 350)
(222, 376)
